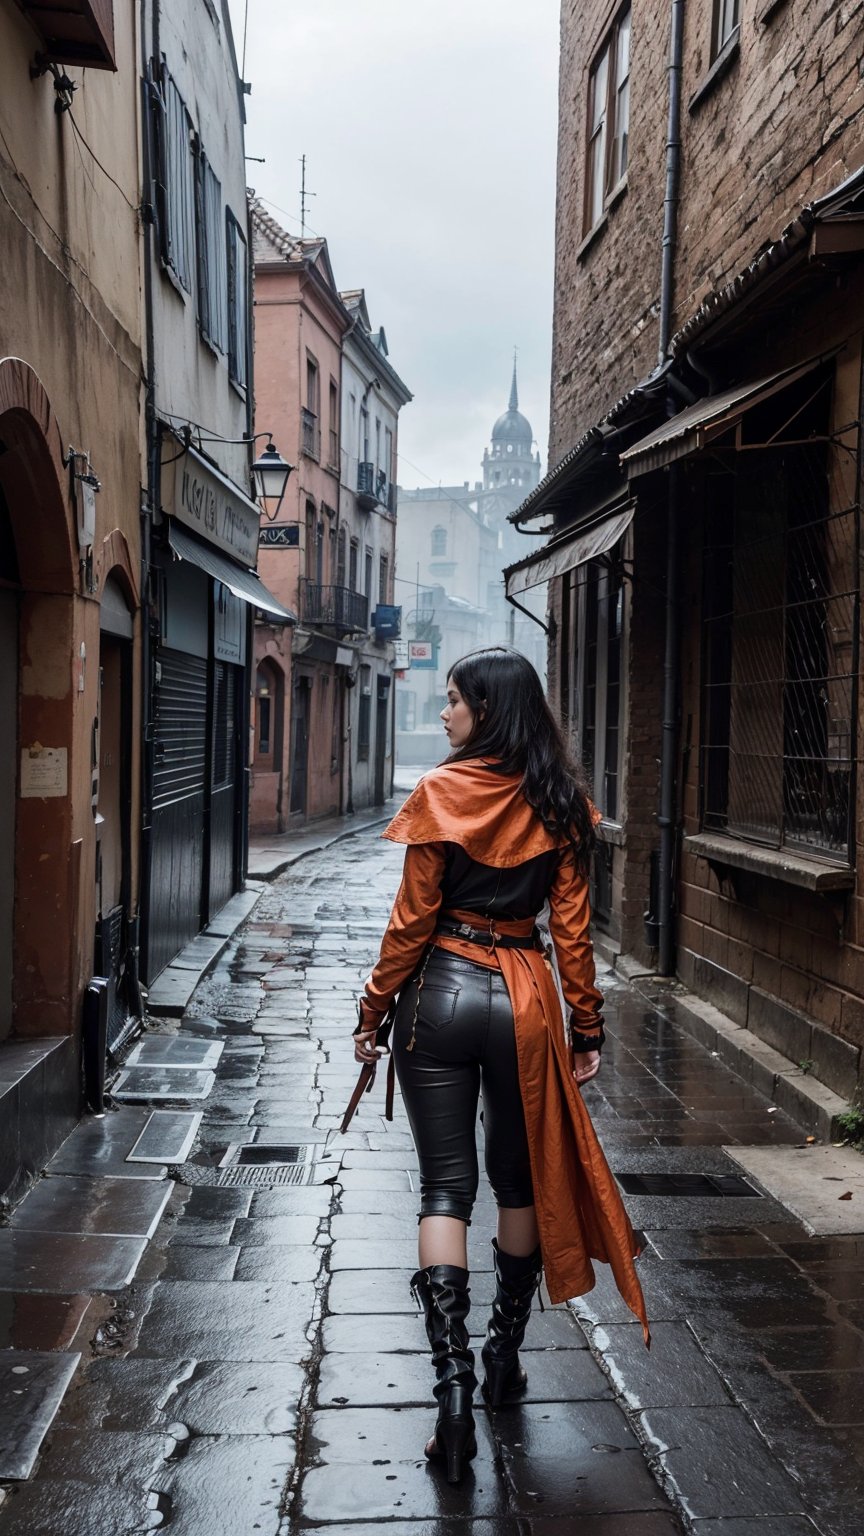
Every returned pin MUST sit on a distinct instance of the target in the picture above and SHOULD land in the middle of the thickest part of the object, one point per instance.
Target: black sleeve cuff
(579, 1041)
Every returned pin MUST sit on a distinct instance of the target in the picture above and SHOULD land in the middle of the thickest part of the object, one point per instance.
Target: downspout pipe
(673, 178)
(672, 649)
(151, 490)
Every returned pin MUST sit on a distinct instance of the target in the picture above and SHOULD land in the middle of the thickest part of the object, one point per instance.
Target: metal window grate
(781, 614)
(709, 1185)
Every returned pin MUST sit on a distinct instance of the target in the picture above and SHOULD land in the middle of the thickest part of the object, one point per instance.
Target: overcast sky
(429, 130)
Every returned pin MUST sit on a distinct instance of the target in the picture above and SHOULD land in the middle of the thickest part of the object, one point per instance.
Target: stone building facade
(323, 712)
(706, 411)
(70, 372)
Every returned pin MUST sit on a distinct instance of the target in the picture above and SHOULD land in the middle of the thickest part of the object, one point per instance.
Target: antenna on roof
(304, 196)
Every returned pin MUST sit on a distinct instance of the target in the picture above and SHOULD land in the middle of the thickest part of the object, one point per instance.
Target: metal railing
(373, 488)
(333, 607)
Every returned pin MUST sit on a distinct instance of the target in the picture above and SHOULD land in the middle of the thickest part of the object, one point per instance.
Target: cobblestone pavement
(266, 1371)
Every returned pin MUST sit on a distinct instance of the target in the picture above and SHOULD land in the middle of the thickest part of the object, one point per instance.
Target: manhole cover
(693, 1184)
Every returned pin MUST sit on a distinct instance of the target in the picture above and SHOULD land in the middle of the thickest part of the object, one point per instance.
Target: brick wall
(783, 125)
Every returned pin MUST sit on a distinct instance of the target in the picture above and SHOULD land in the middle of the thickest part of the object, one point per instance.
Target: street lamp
(270, 473)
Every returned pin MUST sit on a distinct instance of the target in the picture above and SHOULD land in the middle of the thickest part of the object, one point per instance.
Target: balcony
(77, 32)
(336, 608)
(310, 438)
(374, 490)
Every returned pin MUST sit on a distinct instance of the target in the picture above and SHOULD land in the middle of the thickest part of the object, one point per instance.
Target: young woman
(499, 829)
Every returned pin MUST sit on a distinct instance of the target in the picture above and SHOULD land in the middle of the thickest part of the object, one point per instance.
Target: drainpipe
(671, 658)
(673, 177)
(151, 495)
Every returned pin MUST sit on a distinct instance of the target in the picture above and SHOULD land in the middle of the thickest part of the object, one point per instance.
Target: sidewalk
(265, 1372)
(270, 854)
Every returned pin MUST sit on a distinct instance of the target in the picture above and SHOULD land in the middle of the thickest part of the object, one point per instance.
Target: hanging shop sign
(422, 655)
(205, 500)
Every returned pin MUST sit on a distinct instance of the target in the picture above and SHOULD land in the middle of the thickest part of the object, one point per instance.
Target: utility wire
(95, 157)
(245, 29)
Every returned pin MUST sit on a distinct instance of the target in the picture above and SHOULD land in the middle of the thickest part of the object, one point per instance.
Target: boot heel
(457, 1443)
(505, 1380)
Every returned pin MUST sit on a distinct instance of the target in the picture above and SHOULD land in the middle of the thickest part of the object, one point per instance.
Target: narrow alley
(265, 1370)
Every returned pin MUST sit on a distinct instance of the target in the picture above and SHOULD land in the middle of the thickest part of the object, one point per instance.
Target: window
(319, 553)
(311, 429)
(238, 302)
(439, 541)
(333, 459)
(312, 396)
(176, 185)
(364, 435)
(364, 714)
(311, 539)
(353, 561)
(224, 732)
(592, 681)
(724, 27)
(367, 584)
(265, 705)
(383, 580)
(608, 119)
(341, 554)
(778, 682)
(212, 286)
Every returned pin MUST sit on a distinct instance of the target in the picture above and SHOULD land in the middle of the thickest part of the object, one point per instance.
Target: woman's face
(458, 716)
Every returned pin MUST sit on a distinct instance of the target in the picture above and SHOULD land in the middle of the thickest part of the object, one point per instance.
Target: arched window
(268, 713)
(439, 540)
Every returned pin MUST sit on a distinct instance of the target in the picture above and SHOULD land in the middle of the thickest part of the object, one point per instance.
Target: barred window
(175, 182)
(238, 301)
(781, 606)
(212, 286)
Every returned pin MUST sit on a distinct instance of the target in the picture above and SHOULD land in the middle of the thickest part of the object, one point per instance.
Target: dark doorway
(382, 711)
(300, 745)
(224, 779)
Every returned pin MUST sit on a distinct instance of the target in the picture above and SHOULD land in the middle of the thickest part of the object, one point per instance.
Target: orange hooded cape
(580, 1214)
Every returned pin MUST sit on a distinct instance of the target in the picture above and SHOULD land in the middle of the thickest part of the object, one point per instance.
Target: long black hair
(513, 722)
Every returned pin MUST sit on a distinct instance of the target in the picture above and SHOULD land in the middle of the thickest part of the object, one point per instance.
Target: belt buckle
(465, 930)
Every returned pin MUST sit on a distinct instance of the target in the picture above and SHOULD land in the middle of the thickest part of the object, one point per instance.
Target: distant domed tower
(511, 465)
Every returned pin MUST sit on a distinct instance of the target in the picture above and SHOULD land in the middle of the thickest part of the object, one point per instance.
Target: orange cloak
(580, 1213)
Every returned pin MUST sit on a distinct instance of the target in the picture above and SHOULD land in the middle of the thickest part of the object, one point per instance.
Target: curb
(291, 859)
(804, 1098)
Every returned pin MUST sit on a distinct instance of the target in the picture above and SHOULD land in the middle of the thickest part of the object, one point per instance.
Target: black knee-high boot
(518, 1280)
(441, 1291)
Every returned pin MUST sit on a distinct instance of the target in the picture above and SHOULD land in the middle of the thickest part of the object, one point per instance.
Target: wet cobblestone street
(266, 1371)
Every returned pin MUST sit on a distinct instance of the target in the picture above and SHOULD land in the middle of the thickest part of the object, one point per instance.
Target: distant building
(452, 544)
(323, 715)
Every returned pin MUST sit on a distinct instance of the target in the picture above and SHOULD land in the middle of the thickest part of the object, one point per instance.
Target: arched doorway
(41, 987)
(268, 747)
(46, 908)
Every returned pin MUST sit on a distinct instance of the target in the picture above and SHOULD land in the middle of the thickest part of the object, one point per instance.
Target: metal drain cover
(259, 1154)
(284, 1173)
(708, 1185)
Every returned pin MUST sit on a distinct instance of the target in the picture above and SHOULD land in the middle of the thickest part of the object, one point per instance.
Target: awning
(244, 584)
(565, 553)
(697, 426)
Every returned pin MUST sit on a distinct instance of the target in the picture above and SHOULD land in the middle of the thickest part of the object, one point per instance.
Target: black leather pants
(464, 1041)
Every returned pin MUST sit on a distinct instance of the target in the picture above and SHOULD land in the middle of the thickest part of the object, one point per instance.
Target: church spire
(514, 392)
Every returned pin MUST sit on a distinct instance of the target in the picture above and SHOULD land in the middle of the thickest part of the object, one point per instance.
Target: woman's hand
(365, 1049)
(586, 1064)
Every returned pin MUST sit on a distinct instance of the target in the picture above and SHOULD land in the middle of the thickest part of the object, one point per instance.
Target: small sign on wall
(44, 772)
